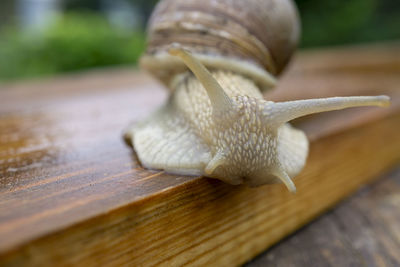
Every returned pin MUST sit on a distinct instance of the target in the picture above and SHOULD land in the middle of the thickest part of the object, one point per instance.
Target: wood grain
(362, 231)
(72, 192)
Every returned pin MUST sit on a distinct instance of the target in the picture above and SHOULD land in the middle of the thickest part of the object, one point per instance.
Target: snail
(217, 57)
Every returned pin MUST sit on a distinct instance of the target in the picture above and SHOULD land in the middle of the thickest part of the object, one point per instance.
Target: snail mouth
(291, 152)
(260, 178)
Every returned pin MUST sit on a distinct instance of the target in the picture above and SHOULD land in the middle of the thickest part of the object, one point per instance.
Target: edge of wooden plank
(204, 220)
(36, 245)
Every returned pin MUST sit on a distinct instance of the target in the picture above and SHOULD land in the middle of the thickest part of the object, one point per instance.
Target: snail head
(255, 144)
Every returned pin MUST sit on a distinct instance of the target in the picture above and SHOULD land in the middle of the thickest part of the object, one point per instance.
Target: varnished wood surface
(362, 231)
(71, 191)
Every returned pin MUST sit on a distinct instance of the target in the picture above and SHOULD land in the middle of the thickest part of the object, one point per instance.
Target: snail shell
(216, 123)
(255, 38)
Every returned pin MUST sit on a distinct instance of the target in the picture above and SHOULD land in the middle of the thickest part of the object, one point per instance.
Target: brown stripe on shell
(193, 41)
(272, 23)
(210, 29)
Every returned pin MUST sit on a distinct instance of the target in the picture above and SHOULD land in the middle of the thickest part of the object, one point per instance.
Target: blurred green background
(46, 37)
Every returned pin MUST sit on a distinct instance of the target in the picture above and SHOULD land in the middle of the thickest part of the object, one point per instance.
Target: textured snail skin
(218, 125)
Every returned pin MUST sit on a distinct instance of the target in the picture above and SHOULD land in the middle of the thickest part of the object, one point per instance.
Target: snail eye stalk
(219, 99)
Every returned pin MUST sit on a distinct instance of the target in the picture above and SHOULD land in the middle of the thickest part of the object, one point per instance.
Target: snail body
(216, 123)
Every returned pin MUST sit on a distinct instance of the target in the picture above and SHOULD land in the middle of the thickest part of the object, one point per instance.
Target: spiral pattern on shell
(224, 34)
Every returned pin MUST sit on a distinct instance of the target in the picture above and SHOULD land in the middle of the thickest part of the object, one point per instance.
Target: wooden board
(364, 230)
(71, 191)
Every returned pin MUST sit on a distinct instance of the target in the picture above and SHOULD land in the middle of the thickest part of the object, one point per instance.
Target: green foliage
(334, 22)
(73, 42)
(79, 41)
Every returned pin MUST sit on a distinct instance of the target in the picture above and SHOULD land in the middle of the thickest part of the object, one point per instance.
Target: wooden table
(72, 192)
